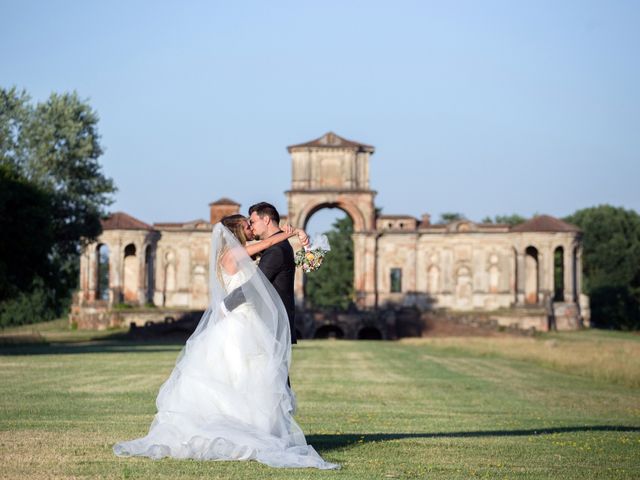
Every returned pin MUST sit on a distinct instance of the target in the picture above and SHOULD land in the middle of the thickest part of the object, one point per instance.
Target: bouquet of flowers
(310, 258)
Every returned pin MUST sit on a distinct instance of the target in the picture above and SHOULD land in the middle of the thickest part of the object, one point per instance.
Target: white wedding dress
(227, 397)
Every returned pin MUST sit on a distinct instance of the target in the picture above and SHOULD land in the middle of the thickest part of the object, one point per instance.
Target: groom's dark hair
(266, 209)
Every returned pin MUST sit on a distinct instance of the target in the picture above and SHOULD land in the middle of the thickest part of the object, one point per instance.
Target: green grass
(427, 408)
(54, 331)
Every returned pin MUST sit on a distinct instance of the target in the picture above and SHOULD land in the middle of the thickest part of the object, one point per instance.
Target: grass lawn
(554, 406)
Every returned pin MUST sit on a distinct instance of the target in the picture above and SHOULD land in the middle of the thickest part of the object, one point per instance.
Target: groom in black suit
(276, 262)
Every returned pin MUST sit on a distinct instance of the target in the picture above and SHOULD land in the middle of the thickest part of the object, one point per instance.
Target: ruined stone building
(139, 272)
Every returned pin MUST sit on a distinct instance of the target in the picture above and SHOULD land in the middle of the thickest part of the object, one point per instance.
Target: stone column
(142, 274)
(159, 268)
(578, 265)
(84, 277)
(92, 272)
(116, 265)
(412, 270)
(549, 285)
(364, 269)
(569, 273)
(520, 278)
(541, 276)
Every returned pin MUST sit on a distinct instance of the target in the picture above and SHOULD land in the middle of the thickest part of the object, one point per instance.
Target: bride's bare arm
(277, 238)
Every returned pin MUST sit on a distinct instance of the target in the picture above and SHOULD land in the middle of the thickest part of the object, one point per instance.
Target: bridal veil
(227, 397)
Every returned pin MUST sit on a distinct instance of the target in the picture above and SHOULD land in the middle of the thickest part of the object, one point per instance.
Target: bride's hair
(234, 224)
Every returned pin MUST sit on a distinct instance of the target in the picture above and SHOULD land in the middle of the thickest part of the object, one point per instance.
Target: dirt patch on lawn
(438, 327)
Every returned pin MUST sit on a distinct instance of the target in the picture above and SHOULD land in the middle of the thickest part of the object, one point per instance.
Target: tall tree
(331, 286)
(27, 239)
(611, 264)
(54, 191)
(14, 114)
(62, 141)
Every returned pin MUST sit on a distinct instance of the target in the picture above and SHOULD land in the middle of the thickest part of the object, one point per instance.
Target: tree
(611, 264)
(331, 286)
(511, 220)
(63, 159)
(449, 217)
(14, 113)
(49, 158)
(27, 238)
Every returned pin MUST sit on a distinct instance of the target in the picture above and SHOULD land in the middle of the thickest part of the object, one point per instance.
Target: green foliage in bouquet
(310, 260)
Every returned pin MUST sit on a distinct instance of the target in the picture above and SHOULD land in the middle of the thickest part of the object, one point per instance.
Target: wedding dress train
(227, 397)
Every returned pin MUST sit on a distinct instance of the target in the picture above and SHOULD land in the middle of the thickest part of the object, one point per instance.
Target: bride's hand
(303, 237)
(288, 229)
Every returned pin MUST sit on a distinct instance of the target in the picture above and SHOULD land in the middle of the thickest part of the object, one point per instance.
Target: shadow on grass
(332, 442)
(116, 343)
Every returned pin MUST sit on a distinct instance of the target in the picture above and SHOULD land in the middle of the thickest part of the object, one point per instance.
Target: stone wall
(459, 267)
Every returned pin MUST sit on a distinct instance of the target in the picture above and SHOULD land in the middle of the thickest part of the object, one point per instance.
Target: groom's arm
(238, 296)
(234, 300)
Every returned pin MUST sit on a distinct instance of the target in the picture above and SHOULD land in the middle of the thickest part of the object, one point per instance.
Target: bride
(227, 397)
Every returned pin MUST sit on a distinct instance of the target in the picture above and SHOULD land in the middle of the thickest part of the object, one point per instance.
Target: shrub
(36, 305)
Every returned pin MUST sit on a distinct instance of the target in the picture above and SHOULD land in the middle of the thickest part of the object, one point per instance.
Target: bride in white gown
(228, 397)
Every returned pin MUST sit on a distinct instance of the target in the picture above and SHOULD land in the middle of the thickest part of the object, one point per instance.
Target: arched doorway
(102, 285)
(329, 331)
(369, 333)
(464, 287)
(131, 272)
(558, 275)
(332, 286)
(531, 276)
(149, 277)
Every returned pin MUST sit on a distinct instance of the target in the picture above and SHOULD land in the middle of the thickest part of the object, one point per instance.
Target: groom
(276, 262)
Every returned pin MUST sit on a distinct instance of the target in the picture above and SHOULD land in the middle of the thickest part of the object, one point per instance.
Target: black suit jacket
(278, 265)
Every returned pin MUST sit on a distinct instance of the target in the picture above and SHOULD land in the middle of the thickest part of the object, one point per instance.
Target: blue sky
(479, 107)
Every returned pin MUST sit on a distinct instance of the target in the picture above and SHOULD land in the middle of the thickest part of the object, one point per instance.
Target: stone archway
(369, 333)
(364, 246)
(329, 331)
(333, 172)
(331, 218)
(131, 274)
(359, 247)
(317, 204)
(558, 274)
(102, 272)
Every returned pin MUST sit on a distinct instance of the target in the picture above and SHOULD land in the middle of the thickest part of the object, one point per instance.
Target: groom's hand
(232, 301)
